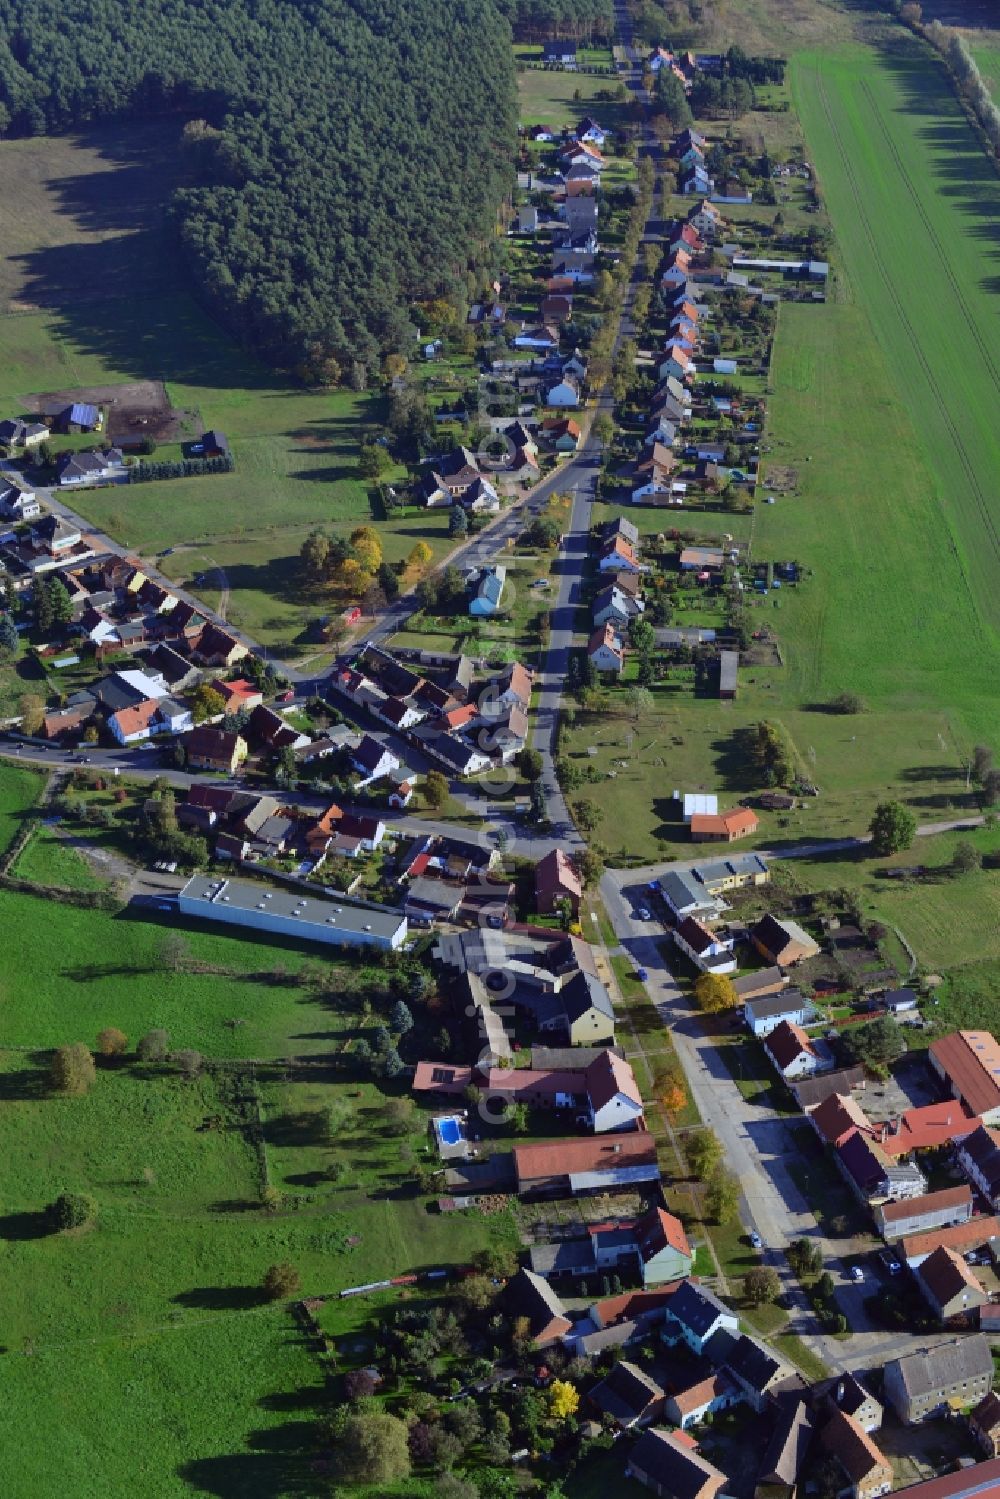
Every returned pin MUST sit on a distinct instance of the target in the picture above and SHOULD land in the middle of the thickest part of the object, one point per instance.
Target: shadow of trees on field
(27, 1225)
(222, 1298)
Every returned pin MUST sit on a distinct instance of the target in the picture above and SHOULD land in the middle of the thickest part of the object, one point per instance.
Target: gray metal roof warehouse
(313, 916)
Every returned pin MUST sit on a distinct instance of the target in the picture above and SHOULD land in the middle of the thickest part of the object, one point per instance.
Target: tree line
(348, 157)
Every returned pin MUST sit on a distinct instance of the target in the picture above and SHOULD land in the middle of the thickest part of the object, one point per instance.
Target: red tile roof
(836, 1116)
(971, 1062)
(961, 1236)
(928, 1127)
(569, 1157)
(786, 1042)
(660, 1230)
(929, 1202)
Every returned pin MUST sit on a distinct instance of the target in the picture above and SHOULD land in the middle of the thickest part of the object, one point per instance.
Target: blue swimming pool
(449, 1131)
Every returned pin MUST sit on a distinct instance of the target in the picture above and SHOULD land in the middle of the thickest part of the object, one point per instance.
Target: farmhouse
(835, 1118)
(984, 1424)
(695, 1315)
(866, 1468)
(605, 1093)
(313, 918)
(685, 896)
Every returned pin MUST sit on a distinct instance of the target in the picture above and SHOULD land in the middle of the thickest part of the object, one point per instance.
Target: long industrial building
(312, 917)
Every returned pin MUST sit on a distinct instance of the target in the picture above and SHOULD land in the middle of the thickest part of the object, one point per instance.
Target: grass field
(93, 293)
(547, 98)
(20, 789)
(917, 260)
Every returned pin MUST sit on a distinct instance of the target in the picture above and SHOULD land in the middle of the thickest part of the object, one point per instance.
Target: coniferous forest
(348, 156)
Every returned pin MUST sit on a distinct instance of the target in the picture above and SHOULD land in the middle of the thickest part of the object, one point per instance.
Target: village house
(870, 1173)
(950, 1286)
(630, 1396)
(695, 1314)
(782, 942)
(765, 1013)
(708, 952)
(756, 1369)
(951, 1375)
(79, 469)
(835, 1118)
(666, 1464)
(18, 504)
(793, 1054)
(372, 760)
(604, 1095)
(866, 1468)
(214, 749)
(984, 1424)
(530, 1296)
(605, 651)
(489, 591)
(979, 1158)
(217, 647)
(614, 605)
(707, 1394)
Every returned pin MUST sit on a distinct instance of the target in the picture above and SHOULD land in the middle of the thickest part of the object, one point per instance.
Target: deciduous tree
(892, 828)
(761, 1285)
(564, 1399)
(373, 1448)
(281, 1280)
(72, 1071)
(714, 992)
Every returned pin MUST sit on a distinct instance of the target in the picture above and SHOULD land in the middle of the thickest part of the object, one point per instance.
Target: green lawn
(547, 98)
(924, 589)
(20, 789)
(65, 973)
(51, 860)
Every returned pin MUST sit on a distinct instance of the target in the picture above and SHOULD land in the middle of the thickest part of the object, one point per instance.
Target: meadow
(550, 97)
(93, 293)
(151, 1320)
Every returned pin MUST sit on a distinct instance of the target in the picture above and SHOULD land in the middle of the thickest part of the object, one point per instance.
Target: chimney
(616, 1149)
(840, 1392)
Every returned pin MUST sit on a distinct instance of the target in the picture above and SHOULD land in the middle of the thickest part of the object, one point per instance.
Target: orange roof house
(726, 827)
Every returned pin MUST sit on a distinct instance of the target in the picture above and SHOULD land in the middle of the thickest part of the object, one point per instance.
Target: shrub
(281, 1281)
(72, 1210)
(72, 1070)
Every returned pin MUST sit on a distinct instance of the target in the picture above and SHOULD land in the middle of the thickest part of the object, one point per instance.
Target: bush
(112, 1042)
(154, 1046)
(281, 1281)
(72, 1210)
(72, 1070)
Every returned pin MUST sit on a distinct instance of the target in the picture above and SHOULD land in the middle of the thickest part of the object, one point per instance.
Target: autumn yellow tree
(352, 577)
(670, 1089)
(367, 548)
(564, 1399)
(419, 558)
(714, 992)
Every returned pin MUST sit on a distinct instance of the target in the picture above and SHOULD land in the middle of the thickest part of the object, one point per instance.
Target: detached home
(952, 1375)
(604, 650)
(783, 942)
(667, 1465)
(792, 1053)
(763, 1015)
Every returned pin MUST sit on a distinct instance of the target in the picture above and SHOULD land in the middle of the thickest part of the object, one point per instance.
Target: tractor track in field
(988, 522)
(932, 235)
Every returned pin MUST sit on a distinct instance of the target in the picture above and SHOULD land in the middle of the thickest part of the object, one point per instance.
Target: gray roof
(696, 1307)
(570, 1256)
(626, 1391)
(683, 890)
(786, 1450)
(212, 894)
(435, 894)
(935, 1369)
(788, 1002)
(753, 1362)
(585, 992)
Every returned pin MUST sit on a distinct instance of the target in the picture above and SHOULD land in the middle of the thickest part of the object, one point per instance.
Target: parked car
(641, 975)
(857, 1274)
(756, 1242)
(644, 913)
